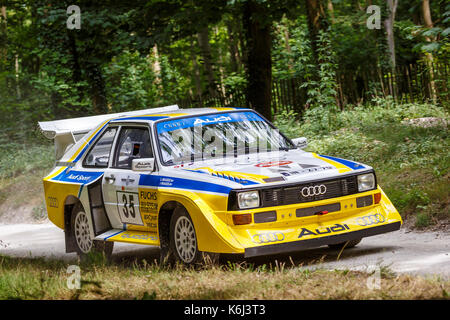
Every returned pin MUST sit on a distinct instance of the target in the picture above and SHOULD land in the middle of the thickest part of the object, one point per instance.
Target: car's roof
(173, 114)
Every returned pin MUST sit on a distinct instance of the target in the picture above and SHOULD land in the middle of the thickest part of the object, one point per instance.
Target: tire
(183, 241)
(80, 231)
(348, 244)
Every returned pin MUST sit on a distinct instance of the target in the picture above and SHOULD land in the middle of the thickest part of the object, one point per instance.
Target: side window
(133, 143)
(98, 156)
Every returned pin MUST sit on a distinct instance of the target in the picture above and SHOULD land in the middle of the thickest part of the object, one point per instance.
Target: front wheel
(84, 245)
(183, 240)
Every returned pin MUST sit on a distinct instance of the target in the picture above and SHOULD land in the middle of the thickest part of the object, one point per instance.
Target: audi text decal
(332, 229)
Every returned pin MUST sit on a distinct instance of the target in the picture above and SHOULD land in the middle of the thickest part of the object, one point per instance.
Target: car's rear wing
(68, 131)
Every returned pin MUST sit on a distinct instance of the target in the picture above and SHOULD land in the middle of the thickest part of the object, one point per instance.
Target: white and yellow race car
(200, 182)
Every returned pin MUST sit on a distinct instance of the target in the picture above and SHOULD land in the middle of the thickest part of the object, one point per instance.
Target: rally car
(200, 182)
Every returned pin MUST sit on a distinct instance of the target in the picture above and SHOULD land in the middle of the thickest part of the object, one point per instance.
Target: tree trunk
(235, 59)
(205, 50)
(389, 25)
(428, 56)
(156, 67)
(17, 69)
(97, 89)
(76, 68)
(257, 25)
(288, 48)
(196, 75)
(316, 21)
(221, 86)
(3, 37)
(330, 10)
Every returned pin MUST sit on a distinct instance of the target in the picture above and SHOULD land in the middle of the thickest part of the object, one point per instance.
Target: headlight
(247, 200)
(366, 182)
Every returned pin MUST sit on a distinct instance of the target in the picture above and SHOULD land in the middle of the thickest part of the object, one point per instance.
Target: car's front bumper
(289, 234)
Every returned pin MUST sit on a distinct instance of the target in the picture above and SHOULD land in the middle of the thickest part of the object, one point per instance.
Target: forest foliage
(145, 54)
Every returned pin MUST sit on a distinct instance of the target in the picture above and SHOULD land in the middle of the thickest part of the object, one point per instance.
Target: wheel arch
(211, 232)
(164, 215)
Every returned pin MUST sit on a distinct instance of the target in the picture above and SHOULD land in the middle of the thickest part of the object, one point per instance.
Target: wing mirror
(143, 164)
(300, 143)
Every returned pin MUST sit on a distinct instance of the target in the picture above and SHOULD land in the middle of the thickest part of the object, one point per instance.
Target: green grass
(22, 167)
(20, 158)
(26, 278)
(412, 163)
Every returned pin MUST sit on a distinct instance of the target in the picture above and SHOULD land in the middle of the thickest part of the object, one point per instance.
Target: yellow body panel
(56, 194)
(213, 234)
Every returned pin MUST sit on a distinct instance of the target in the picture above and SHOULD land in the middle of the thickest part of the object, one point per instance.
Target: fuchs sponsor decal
(320, 231)
(148, 195)
(272, 164)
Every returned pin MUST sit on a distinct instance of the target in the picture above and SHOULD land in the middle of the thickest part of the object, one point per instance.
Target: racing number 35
(128, 207)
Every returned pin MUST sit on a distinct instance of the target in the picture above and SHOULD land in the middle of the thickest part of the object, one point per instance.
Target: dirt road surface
(423, 253)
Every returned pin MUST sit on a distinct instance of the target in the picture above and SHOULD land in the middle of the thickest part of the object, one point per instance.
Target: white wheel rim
(82, 232)
(185, 241)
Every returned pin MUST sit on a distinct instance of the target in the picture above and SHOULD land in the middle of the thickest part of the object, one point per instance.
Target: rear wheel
(347, 244)
(81, 232)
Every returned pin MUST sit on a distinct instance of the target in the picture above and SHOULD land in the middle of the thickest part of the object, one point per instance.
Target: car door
(120, 182)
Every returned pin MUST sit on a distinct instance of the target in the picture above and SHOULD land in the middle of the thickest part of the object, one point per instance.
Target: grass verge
(23, 278)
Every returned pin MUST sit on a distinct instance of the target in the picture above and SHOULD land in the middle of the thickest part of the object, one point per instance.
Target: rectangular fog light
(268, 216)
(364, 201)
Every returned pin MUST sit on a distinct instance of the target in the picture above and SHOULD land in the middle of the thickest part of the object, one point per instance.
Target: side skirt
(129, 236)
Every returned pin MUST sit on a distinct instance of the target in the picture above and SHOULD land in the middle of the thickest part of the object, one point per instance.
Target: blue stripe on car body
(180, 183)
(348, 163)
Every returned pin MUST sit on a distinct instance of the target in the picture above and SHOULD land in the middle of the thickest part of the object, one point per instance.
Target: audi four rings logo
(268, 237)
(314, 190)
(369, 220)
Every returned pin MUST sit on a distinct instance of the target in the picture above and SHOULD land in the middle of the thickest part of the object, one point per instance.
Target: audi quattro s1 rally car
(204, 181)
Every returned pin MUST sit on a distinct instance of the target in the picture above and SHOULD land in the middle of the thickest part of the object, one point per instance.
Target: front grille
(314, 191)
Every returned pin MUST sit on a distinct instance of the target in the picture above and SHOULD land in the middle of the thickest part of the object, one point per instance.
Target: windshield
(217, 136)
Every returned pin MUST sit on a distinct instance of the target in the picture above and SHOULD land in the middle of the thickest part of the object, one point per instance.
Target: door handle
(110, 179)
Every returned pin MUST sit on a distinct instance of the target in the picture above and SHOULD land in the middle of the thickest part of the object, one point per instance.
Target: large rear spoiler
(68, 131)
